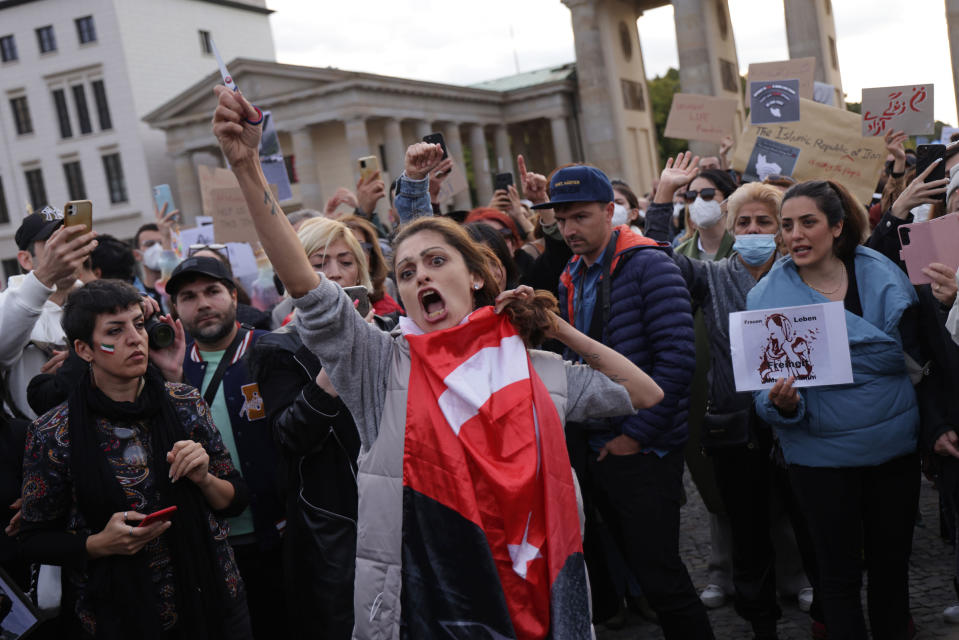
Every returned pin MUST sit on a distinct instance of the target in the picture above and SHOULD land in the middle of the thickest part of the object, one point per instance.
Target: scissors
(228, 81)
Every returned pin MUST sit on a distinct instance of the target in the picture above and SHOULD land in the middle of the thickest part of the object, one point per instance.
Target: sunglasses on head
(774, 178)
(215, 248)
(706, 194)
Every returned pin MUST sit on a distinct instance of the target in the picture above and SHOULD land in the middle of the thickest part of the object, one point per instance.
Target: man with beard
(204, 297)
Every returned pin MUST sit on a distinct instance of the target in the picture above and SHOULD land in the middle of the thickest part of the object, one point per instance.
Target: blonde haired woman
(743, 469)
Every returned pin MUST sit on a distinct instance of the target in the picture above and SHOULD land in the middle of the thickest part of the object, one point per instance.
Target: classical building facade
(76, 79)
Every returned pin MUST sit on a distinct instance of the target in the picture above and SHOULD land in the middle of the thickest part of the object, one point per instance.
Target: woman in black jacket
(319, 443)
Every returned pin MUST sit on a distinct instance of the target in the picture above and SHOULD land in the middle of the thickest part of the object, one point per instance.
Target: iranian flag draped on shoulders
(491, 541)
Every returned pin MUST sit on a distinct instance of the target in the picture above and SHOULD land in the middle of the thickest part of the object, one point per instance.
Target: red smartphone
(163, 515)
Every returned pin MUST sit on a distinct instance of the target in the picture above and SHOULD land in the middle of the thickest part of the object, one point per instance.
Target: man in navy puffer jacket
(625, 291)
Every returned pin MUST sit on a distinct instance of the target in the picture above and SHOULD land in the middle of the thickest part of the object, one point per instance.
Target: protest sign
(907, 109)
(770, 158)
(186, 238)
(704, 118)
(824, 93)
(19, 616)
(808, 342)
(801, 68)
(454, 184)
(830, 148)
(776, 101)
(271, 159)
(213, 178)
(231, 218)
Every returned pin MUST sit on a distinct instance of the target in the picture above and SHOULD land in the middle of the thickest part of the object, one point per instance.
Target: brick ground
(930, 580)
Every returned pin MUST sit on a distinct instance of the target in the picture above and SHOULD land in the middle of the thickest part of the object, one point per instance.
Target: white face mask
(151, 257)
(921, 213)
(705, 213)
(642, 214)
(678, 209)
(620, 215)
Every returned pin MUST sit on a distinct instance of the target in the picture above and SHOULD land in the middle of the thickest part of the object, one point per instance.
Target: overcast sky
(881, 42)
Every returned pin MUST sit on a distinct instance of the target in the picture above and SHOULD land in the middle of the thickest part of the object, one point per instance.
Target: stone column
(304, 158)
(481, 170)
(454, 144)
(561, 145)
(811, 32)
(358, 142)
(423, 129)
(504, 159)
(708, 64)
(395, 149)
(188, 187)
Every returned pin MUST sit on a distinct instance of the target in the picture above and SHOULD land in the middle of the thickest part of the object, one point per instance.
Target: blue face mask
(755, 248)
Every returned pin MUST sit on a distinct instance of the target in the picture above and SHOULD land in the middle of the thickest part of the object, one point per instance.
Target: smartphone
(437, 138)
(359, 293)
(163, 196)
(502, 181)
(368, 166)
(163, 515)
(78, 212)
(926, 154)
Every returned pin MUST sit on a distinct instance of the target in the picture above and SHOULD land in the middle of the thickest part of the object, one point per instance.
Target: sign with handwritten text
(802, 68)
(830, 148)
(907, 108)
(703, 118)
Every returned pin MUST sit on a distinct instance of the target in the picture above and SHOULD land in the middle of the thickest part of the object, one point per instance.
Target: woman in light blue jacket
(851, 449)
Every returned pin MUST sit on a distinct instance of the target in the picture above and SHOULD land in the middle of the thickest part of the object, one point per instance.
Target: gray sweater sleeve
(355, 354)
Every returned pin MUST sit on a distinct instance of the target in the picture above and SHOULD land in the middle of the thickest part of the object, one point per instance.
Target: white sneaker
(805, 599)
(713, 596)
(951, 614)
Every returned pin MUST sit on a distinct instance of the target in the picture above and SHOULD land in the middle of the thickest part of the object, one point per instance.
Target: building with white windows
(76, 79)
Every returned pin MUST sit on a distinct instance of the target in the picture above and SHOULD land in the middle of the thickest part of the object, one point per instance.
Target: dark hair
(378, 267)
(720, 179)
(95, 299)
(838, 206)
(114, 258)
(150, 226)
(532, 318)
(623, 188)
(487, 235)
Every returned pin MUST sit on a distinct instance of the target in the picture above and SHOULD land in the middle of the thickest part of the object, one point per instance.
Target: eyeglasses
(219, 249)
(706, 194)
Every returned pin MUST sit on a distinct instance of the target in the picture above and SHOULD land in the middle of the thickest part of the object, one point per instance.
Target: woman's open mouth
(434, 308)
(801, 251)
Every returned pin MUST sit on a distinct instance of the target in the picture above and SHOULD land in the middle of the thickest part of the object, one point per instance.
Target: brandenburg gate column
(708, 64)
(811, 32)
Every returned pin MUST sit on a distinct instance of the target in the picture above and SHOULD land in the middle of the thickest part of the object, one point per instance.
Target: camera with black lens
(161, 335)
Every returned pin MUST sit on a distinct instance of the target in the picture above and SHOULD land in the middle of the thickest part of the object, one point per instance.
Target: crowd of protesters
(476, 424)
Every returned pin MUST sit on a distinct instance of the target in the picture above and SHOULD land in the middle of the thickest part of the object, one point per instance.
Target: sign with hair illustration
(808, 343)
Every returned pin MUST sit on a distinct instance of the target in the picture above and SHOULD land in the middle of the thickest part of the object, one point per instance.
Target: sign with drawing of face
(808, 343)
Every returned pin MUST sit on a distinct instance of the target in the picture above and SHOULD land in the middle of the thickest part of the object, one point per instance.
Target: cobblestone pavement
(930, 580)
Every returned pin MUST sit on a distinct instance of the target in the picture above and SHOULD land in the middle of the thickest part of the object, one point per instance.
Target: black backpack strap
(214, 385)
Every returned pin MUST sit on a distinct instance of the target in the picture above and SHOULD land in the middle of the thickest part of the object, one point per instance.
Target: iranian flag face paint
(107, 348)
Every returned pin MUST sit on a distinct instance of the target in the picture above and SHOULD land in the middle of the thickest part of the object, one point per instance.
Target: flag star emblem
(523, 553)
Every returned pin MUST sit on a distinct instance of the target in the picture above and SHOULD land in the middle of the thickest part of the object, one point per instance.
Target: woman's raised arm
(240, 143)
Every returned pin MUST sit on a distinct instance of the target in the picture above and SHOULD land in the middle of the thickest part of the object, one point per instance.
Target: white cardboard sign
(808, 342)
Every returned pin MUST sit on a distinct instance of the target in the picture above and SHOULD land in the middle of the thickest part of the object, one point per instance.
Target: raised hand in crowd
(894, 146)
(168, 360)
(342, 196)
(438, 176)
(239, 140)
(63, 255)
(535, 185)
(166, 221)
(421, 159)
(943, 283)
(724, 148)
(369, 192)
(919, 192)
(676, 173)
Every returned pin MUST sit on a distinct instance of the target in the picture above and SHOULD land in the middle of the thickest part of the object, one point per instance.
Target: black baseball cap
(38, 226)
(197, 265)
(578, 183)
